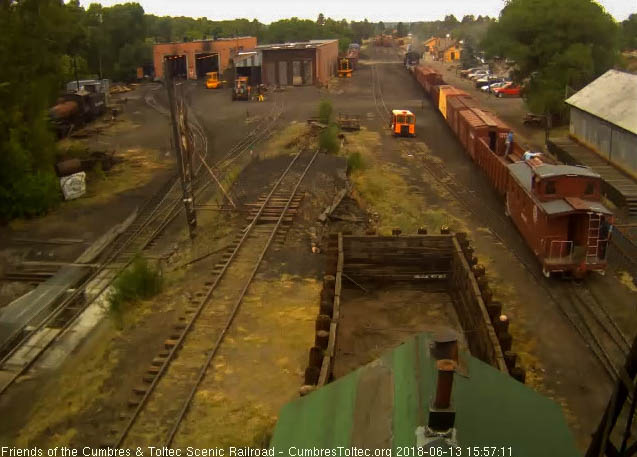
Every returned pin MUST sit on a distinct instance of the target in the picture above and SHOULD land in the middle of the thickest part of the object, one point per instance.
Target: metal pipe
(446, 369)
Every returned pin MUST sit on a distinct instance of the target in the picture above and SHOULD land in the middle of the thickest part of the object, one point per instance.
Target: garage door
(270, 75)
(283, 73)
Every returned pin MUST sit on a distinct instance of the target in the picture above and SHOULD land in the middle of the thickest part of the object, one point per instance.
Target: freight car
(73, 110)
(556, 208)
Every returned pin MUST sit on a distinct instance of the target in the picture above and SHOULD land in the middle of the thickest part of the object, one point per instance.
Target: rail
(156, 214)
(179, 345)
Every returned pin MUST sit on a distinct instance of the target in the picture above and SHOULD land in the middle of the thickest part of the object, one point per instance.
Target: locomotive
(84, 101)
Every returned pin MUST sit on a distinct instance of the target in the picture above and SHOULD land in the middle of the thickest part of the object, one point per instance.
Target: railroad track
(154, 216)
(163, 402)
(585, 313)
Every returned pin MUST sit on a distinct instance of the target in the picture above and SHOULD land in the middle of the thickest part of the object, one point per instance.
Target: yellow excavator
(213, 81)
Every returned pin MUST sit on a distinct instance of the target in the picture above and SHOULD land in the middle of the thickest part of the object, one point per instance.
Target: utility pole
(182, 146)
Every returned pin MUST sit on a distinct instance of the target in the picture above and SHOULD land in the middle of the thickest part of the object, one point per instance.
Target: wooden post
(182, 147)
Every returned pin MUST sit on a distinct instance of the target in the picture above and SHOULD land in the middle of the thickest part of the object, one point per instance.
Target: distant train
(557, 208)
(84, 101)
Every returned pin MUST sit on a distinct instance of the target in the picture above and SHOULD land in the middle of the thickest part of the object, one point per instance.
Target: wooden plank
(326, 369)
(331, 343)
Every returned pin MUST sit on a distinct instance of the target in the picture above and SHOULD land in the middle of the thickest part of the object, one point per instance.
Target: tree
(629, 33)
(400, 30)
(554, 45)
(37, 32)
(321, 20)
(381, 27)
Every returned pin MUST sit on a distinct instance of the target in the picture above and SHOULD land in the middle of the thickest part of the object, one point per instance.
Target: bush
(29, 195)
(325, 111)
(354, 162)
(139, 281)
(328, 139)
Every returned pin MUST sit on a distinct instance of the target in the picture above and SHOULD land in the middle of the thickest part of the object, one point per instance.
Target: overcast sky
(375, 10)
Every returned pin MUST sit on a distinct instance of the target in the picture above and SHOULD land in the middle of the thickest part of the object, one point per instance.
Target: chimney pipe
(445, 345)
(446, 369)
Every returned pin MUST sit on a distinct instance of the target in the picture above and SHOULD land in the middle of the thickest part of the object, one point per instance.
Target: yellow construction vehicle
(213, 81)
(344, 68)
(241, 89)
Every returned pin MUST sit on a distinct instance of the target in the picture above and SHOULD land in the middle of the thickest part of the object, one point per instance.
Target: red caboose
(558, 210)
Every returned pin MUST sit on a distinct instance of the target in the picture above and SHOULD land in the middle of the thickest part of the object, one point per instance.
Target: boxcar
(447, 91)
(558, 211)
(455, 105)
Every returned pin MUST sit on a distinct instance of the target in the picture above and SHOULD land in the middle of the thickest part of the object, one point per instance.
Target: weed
(138, 282)
(328, 139)
(354, 162)
(325, 111)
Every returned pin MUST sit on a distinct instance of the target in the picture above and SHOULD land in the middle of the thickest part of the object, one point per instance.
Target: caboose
(558, 210)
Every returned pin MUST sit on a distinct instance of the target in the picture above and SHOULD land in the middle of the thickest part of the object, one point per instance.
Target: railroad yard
(296, 252)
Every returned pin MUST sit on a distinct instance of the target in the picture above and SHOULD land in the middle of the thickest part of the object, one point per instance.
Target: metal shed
(604, 118)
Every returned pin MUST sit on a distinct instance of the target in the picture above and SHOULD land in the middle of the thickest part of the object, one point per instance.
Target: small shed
(604, 118)
(382, 405)
(299, 64)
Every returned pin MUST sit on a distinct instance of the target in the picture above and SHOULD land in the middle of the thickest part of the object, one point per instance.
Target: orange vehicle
(344, 68)
(403, 123)
(213, 80)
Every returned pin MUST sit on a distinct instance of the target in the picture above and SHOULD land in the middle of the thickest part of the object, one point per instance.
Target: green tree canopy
(554, 44)
(629, 33)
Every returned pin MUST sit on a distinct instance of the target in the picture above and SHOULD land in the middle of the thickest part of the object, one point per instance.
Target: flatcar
(556, 208)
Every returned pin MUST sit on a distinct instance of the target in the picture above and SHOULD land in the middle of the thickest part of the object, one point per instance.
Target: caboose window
(590, 188)
(550, 187)
(410, 119)
(400, 119)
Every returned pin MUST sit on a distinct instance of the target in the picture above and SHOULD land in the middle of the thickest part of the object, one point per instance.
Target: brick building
(194, 59)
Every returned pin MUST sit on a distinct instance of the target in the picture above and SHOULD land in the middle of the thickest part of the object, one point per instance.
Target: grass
(139, 281)
(380, 188)
(286, 141)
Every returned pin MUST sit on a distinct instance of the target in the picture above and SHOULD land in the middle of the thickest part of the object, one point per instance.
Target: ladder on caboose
(592, 241)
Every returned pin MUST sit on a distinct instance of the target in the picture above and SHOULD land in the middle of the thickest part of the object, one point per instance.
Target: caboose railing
(561, 250)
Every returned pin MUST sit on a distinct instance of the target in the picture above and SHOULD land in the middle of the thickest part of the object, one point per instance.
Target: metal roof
(612, 97)
(311, 44)
(381, 404)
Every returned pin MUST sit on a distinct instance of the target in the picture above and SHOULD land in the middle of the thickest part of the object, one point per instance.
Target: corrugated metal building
(299, 64)
(194, 59)
(604, 118)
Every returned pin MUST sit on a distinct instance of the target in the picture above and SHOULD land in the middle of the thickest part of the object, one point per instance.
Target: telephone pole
(182, 146)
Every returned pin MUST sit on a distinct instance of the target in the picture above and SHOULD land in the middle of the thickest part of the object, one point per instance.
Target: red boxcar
(456, 105)
(557, 210)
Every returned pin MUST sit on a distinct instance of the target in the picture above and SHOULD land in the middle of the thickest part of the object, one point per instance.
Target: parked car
(468, 71)
(509, 90)
(478, 74)
(488, 80)
(490, 87)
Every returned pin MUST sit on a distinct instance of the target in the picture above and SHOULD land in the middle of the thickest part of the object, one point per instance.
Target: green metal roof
(381, 404)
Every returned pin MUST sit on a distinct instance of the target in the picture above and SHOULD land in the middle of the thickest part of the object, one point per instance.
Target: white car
(478, 74)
